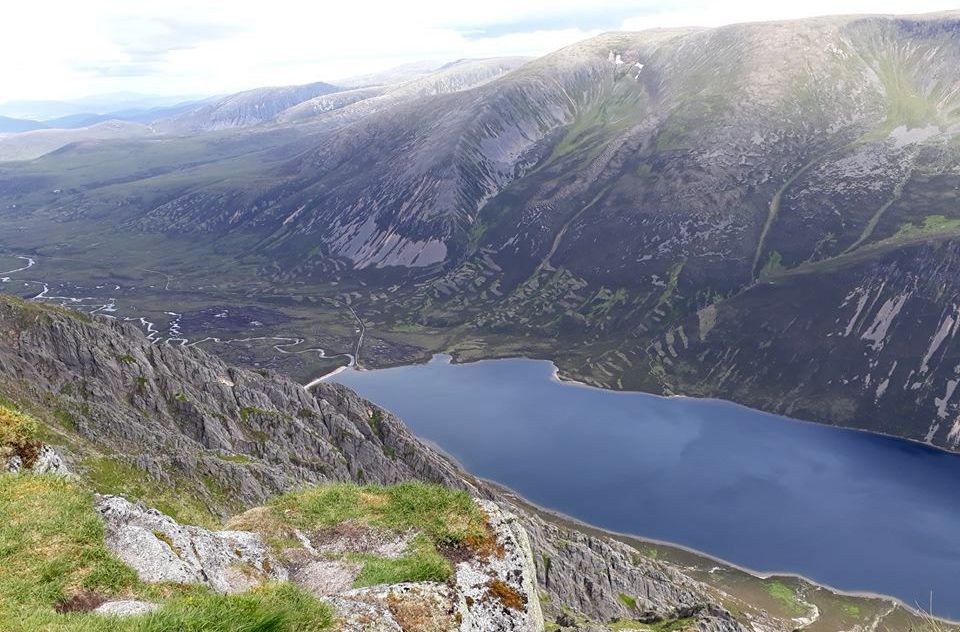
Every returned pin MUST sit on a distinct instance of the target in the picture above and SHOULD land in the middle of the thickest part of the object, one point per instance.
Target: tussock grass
(446, 516)
(269, 608)
(18, 434)
(445, 520)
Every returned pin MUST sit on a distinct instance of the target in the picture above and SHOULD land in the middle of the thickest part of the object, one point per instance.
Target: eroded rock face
(175, 412)
(589, 575)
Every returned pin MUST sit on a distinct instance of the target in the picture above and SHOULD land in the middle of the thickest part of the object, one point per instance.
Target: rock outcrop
(47, 461)
(125, 608)
(603, 579)
(496, 591)
(160, 550)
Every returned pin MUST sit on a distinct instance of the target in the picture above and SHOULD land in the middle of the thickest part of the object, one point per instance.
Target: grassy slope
(52, 550)
(52, 541)
(53, 554)
(443, 520)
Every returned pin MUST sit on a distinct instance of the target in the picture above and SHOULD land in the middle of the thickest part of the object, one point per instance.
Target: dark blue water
(853, 510)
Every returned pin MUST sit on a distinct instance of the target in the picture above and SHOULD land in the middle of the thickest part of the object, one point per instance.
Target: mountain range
(765, 212)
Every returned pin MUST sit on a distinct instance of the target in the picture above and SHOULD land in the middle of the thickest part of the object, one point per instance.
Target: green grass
(672, 281)
(109, 475)
(906, 105)
(932, 225)
(52, 547)
(66, 419)
(446, 516)
(18, 433)
(28, 311)
(442, 517)
(614, 113)
(246, 411)
(269, 608)
(236, 458)
(421, 563)
(376, 418)
(628, 601)
(785, 595)
(413, 328)
(772, 266)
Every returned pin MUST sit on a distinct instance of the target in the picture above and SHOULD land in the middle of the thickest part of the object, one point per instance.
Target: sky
(66, 49)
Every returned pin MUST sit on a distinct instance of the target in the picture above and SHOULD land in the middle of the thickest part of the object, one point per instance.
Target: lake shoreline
(568, 380)
(808, 444)
(561, 518)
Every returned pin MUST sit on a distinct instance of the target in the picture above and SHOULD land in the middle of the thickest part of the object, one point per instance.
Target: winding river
(856, 511)
(13, 281)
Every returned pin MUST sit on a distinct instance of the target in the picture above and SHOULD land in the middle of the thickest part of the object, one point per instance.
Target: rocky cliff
(189, 420)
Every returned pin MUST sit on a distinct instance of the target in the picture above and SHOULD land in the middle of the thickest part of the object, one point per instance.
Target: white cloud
(64, 49)
(705, 13)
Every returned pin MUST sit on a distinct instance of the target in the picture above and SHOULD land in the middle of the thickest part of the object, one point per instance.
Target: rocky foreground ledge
(491, 591)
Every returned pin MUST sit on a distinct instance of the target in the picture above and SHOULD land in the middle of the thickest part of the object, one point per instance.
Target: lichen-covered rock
(14, 464)
(161, 550)
(398, 608)
(47, 461)
(499, 592)
(50, 462)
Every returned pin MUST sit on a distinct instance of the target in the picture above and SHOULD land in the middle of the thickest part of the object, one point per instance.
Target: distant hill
(35, 143)
(12, 125)
(242, 109)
